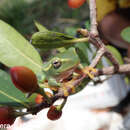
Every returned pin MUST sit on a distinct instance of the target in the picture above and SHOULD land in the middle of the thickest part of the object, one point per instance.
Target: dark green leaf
(50, 39)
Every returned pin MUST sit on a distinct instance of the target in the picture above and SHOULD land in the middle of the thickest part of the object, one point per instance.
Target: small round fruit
(24, 79)
(54, 113)
(6, 116)
(75, 3)
(39, 98)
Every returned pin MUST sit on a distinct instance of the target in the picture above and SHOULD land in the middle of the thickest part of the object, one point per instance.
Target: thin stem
(63, 103)
(78, 40)
(17, 114)
(97, 58)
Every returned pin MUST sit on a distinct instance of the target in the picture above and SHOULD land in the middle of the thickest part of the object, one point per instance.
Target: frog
(60, 67)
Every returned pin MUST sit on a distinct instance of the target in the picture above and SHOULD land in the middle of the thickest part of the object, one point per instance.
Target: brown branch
(110, 70)
(95, 39)
(109, 55)
(98, 56)
(93, 14)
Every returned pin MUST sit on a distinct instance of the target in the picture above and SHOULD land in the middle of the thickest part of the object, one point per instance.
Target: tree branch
(110, 70)
(93, 14)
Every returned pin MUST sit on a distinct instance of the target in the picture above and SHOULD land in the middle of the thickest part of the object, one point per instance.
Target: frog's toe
(88, 70)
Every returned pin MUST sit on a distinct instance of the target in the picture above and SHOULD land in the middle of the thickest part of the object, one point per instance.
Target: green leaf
(15, 50)
(82, 51)
(40, 27)
(126, 34)
(116, 53)
(9, 94)
(50, 40)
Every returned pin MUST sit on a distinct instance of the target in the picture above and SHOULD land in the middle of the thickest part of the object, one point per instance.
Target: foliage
(126, 34)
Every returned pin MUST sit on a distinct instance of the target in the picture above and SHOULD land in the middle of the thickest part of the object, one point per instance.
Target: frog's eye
(56, 64)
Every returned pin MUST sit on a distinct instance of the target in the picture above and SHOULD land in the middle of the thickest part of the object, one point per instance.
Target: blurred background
(54, 15)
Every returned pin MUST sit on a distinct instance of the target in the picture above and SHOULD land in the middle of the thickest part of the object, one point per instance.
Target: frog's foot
(88, 70)
(68, 87)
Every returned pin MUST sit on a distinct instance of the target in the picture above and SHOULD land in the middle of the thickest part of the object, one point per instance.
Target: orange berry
(75, 3)
(39, 98)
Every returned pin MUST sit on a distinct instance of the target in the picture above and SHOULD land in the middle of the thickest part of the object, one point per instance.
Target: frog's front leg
(87, 70)
(52, 82)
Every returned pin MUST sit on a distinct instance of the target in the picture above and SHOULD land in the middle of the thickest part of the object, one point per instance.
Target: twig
(93, 14)
(95, 39)
(99, 55)
(110, 70)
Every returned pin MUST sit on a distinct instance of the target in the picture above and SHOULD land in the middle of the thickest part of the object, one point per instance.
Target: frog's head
(61, 62)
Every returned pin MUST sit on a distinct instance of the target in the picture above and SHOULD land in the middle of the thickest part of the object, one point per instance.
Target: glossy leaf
(126, 34)
(9, 94)
(40, 27)
(15, 50)
(50, 40)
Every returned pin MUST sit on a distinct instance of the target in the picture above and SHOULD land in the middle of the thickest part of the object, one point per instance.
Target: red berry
(24, 79)
(75, 3)
(6, 116)
(54, 113)
(39, 98)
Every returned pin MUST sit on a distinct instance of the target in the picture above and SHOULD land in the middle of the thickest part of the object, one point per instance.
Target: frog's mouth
(66, 75)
